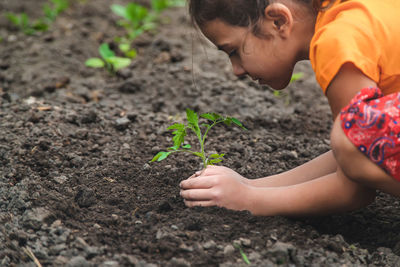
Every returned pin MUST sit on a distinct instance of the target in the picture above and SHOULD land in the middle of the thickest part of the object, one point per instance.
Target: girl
(353, 49)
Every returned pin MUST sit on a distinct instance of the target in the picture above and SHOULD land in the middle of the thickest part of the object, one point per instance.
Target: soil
(76, 185)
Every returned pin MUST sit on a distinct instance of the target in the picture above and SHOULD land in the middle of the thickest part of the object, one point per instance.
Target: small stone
(60, 179)
(245, 242)
(183, 247)
(85, 197)
(254, 256)
(178, 262)
(209, 244)
(109, 264)
(92, 251)
(229, 250)
(122, 123)
(146, 166)
(35, 218)
(89, 117)
(56, 223)
(78, 261)
(55, 250)
(80, 243)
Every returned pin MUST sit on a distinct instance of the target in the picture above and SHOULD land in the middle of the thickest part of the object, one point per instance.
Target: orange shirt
(363, 32)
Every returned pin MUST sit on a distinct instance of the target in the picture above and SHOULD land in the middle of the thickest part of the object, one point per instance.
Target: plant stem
(202, 144)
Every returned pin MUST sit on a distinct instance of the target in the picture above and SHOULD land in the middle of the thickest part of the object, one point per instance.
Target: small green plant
(56, 8)
(108, 60)
(180, 130)
(244, 256)
(24, 24)
(137, 19)
(295, 77)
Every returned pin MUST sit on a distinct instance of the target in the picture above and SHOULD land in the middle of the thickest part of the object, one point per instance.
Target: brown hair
(242, 13)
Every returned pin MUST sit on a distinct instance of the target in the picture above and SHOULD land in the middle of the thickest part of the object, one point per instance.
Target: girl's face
(268, 60)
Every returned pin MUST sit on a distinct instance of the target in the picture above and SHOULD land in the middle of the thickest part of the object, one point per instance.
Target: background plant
(29, 27)
(51, 11)
(137, 19)
(180, 130)
(108, 60)
(295, 77)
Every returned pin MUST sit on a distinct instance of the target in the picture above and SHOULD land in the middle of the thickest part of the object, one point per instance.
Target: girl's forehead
(218, 31)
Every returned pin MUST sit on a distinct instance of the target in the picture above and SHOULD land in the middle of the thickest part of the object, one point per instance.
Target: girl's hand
(216, 186)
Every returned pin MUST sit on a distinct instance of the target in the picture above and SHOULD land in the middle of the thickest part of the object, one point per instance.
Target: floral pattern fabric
(372, 123)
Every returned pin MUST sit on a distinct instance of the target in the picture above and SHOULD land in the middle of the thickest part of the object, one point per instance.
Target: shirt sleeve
(347, 38)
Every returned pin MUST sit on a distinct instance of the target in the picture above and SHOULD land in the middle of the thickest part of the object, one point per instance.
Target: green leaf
(119, 10)
(215, 156)
(49, 12)
(244, 256)
(198, 154)
(213, 161)
(177, 3)
(105, 51)
(193, 121)
(187, 146)
(136, 13)
(211, 116)
(119, 62)
(60, 5)
(13, 18)
(160, 156)
(124, 47)
(296, 76)
(179, 134)
(40, 25)
(24, 20)
(177, 126)
(159, 5)
(131, 53)
(238, 123)
(94, 63)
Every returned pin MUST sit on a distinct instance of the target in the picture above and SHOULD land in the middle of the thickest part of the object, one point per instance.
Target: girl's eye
(232, 53)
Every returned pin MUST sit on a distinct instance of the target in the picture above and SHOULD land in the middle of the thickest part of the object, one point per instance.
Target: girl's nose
(238, 70)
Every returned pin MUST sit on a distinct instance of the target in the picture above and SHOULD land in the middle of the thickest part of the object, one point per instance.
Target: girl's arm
(221, 186)
(318, 167)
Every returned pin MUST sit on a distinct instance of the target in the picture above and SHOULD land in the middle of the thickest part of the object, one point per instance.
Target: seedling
(23, 23)
(52, 11)
(28, 27)
(108, 60)
(244, 256)
(135, 19)
(160, 5)
(295, 77)
(127, 50)
(180, 130)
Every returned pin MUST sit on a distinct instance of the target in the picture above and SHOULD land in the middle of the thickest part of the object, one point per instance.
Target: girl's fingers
(192, 204)
(196, 194)
(197, 182)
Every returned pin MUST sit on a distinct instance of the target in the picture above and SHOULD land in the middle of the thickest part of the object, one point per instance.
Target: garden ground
(76, 185)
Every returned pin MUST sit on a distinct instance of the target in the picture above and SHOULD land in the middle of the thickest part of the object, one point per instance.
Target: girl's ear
(279, 19)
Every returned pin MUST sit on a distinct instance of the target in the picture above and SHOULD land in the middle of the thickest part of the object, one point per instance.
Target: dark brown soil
(76, 188)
